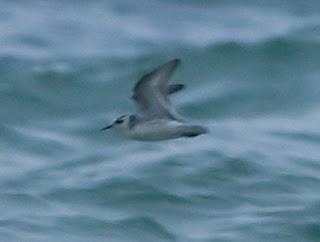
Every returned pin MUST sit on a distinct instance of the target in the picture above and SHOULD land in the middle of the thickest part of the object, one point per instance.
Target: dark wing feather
(175, 88)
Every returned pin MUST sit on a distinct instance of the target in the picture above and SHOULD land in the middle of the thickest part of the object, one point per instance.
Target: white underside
(153, 130)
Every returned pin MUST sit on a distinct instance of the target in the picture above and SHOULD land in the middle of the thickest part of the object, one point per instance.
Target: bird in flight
(155, 119)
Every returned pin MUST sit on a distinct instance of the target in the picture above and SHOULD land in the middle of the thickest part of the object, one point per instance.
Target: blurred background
(252, 72)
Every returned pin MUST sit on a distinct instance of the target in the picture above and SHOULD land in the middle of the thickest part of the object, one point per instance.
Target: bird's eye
(119, 121)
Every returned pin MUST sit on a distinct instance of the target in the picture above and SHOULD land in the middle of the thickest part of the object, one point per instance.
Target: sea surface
(252, 71)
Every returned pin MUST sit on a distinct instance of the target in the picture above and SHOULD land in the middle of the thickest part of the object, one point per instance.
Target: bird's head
(120, 123)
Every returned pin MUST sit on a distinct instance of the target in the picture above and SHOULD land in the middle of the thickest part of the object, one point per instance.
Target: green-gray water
(252, 70)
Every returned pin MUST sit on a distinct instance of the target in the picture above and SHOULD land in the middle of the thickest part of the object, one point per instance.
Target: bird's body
(155, 119)
(157, 129)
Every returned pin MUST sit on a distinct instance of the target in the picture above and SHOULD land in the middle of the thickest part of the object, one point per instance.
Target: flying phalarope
(155, 119)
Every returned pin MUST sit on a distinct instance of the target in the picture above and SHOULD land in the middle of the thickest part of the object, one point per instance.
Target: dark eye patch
(119, 121)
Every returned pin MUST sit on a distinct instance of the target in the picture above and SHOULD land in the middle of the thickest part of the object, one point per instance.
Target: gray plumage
(155, 119)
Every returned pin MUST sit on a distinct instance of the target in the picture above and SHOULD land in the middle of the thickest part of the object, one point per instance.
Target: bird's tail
(190, 130)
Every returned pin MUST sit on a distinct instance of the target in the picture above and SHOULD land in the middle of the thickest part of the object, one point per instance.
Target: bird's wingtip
(177, 60)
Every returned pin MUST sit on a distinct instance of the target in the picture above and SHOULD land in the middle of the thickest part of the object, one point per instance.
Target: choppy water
(252, 69)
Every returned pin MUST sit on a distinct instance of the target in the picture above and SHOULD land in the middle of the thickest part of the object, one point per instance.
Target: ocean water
(252, 71)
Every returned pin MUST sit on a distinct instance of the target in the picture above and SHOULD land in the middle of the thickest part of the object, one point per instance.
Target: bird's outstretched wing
(151, 92)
